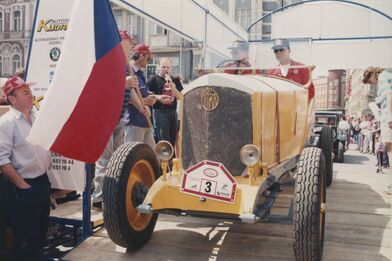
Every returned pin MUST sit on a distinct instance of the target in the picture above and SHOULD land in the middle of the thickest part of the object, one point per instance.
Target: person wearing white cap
(240, 63)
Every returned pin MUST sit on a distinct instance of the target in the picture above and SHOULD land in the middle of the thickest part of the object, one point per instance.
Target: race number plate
(209, 179)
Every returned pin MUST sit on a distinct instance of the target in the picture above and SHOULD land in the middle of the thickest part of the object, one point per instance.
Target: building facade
(360, 95)
(16, 18)
(321, 92)
(162, 42)
(330, 91)
(336, 90)
(15, 30)
(244, 12)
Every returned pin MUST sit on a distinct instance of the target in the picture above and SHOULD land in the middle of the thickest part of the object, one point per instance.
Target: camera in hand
(168, 91)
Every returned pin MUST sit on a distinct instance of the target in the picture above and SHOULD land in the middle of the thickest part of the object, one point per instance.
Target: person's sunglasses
(278, 50)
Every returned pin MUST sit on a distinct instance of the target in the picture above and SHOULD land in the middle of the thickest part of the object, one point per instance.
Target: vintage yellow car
(240, 137)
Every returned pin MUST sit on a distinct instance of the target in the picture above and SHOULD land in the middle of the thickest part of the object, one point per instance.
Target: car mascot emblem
(209, 99)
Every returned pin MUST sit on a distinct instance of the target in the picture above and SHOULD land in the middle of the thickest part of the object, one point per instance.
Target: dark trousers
(166, 125)
(385, 160)
(380, 158)
(29, 218)
(4, 202)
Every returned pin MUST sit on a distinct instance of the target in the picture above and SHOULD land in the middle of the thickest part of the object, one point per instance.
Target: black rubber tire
(309, 201)
(114, 195)
(326, 145)
(340, 156)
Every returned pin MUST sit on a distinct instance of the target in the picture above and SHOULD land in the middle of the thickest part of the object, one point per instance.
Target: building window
(15, 62)
(159, 30)
(270, 6)
(17, 21)
(118, 17)
(242, 17)
(243, 4)
(268, 19)
(242, 12)
(132, 24)
(1, 22)
(223, 4)
(266, 29)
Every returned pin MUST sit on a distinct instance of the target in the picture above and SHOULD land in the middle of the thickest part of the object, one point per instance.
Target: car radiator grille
(219, 134)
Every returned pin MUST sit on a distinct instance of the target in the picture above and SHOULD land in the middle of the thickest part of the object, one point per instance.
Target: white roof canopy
(331, 19)
(341, 33)
(195, 20)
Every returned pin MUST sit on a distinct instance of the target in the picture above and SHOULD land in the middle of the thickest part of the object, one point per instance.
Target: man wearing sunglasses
(288, 68)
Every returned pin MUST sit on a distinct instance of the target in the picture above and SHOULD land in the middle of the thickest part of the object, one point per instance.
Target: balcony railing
(15, 35)
(159, 40)
(165, 40)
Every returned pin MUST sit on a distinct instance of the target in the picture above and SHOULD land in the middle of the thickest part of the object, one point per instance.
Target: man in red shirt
(288, 68)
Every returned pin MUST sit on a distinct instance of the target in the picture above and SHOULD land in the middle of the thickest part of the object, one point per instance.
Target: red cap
(124, 35)
(13, 84)
(142, 48)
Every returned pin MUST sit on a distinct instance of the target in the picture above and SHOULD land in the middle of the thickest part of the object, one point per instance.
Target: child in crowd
(380, 150)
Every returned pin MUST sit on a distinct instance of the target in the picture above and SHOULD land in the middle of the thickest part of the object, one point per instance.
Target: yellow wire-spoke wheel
(140, 179)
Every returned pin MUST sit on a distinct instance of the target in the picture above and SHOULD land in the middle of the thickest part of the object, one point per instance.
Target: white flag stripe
(69, 75)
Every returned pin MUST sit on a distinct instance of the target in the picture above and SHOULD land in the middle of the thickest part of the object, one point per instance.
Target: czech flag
(83, 104)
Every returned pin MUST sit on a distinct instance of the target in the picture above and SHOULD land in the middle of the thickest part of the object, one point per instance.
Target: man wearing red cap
(25, 166)
(137, 127)
(117, 138)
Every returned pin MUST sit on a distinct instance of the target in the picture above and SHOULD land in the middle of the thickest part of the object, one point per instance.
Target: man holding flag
(137, 118)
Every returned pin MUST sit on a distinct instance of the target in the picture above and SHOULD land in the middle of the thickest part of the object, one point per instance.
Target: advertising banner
(49, 31)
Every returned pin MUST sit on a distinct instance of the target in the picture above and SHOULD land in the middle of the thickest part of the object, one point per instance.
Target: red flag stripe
(102, 95)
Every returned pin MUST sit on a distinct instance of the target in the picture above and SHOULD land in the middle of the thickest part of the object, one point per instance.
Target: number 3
(208, 187)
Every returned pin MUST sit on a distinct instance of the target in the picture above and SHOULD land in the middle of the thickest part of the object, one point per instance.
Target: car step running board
(283, 219)
(263, 210)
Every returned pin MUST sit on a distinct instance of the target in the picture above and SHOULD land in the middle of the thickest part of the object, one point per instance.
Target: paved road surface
(359, 227)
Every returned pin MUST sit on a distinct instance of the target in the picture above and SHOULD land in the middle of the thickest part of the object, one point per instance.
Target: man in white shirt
(344, 126)
(25, 166)
(364, 126)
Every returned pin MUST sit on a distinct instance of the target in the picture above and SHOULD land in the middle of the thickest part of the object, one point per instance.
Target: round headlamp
(164, 150)
(250, 155)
